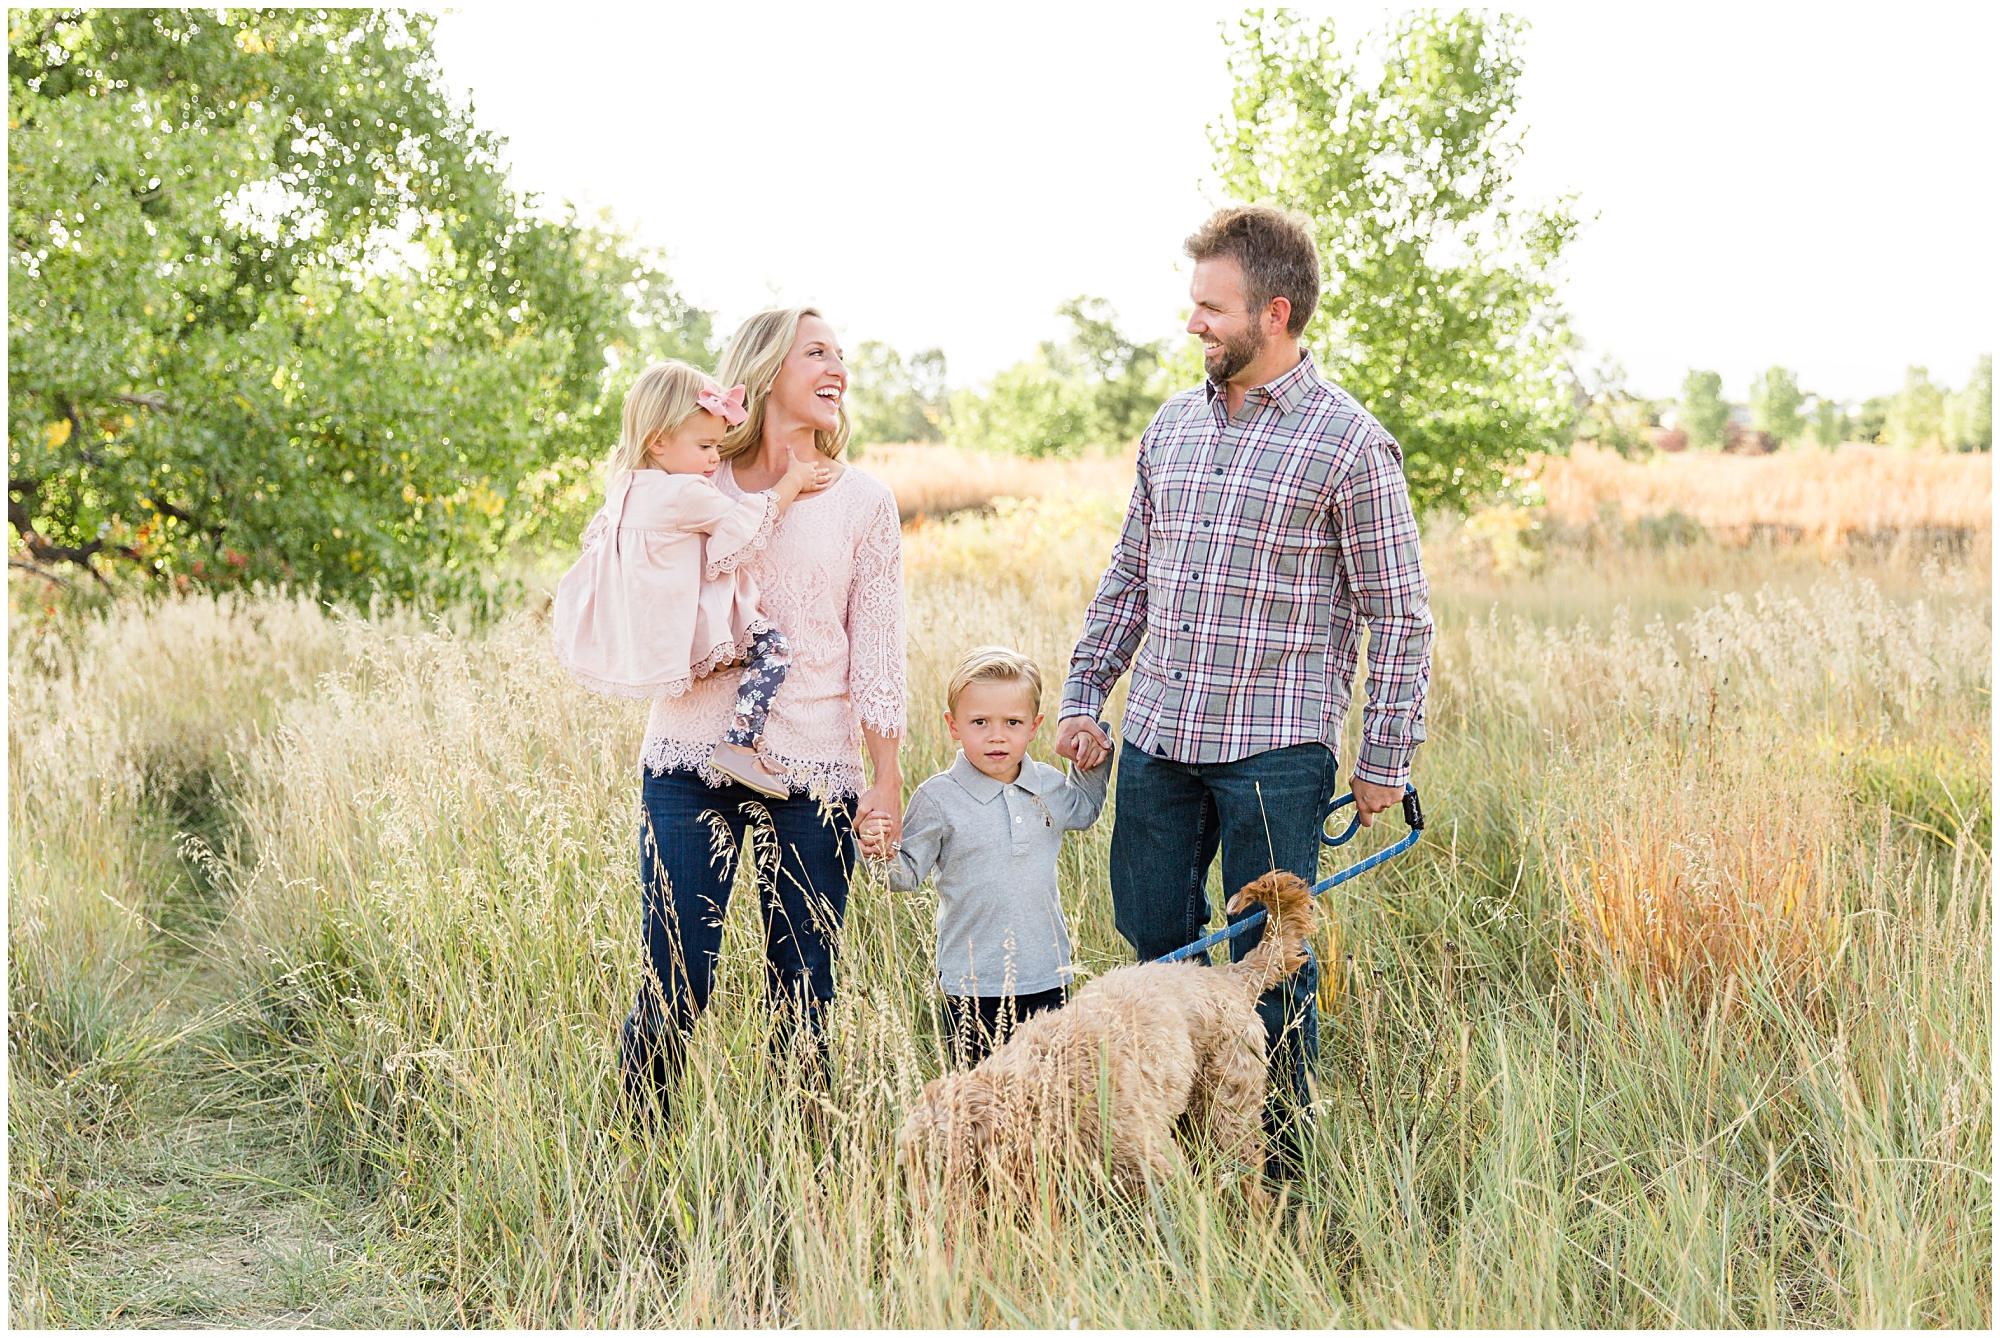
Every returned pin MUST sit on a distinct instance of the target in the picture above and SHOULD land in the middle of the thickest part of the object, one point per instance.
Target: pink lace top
(831, 578)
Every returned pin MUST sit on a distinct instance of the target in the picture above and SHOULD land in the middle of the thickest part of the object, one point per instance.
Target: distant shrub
(1097, 388)
(1968, 415)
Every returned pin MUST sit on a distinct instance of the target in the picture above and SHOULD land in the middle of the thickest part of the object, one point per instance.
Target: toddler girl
(662, 594)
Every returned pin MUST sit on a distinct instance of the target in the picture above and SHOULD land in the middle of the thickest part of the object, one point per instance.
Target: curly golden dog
(1141, 1052)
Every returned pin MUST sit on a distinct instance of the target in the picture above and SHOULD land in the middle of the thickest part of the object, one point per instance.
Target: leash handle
(1413, 817)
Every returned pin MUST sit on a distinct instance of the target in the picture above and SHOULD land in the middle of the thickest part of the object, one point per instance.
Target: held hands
(878, 819)
(1080, 740)
(877, 842)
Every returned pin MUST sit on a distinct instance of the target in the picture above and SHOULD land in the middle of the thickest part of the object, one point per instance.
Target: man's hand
(1080, 740)
(1370, 799)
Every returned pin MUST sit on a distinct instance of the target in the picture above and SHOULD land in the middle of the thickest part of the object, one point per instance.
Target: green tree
(1704, 413)
(1968, 415)
(1439, 313)
(1916, 414)
(1868, 424)
(1830, 423)
(1098, 387)
(1775, 405)
(275, 314)
(1124, 377)
(1608, 415)
(892, 400)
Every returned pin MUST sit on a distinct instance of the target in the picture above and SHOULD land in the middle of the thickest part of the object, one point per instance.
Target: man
(1269, 522)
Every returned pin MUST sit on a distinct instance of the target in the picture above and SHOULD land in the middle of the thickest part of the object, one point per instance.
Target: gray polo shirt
(1000, 921)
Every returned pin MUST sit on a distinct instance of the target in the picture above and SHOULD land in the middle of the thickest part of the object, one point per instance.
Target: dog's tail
(1283, 948)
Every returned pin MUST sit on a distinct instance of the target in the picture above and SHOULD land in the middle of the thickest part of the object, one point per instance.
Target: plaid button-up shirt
(1254, 550)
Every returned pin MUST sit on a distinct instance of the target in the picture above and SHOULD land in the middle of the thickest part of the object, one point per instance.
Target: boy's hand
(1080, 740)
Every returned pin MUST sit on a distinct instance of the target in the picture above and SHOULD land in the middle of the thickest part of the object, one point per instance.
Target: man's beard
(1233, 355)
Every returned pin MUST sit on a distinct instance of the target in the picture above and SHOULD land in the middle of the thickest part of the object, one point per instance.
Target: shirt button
(1204, 524)
(1195, 577)
(1177, 676)
(1187, 627)
(1218, 473)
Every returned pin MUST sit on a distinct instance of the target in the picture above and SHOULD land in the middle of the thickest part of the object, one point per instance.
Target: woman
(831, 578)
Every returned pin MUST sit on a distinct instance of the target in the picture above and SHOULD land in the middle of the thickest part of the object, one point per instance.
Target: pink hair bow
(726, 405)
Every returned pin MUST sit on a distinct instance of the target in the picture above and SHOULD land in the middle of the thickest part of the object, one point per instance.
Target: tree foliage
(1777, 405)
(1916, 413)
(1968, 414)
(1099, 387)
(274, 312)
(1704, 414)
(1607, 414)
(1439, 313)
(893, 399)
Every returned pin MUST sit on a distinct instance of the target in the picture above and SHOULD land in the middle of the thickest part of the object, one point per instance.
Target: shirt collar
(1036, 778)
(1288, 391)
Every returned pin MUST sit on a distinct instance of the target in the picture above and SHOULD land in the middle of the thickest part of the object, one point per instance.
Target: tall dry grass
(1680, 1014)
(936, 481)
(1825, 495)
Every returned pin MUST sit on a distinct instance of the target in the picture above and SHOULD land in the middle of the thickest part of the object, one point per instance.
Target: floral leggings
(763, 674)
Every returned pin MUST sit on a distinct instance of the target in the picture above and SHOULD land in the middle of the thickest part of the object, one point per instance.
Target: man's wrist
(1380, 770)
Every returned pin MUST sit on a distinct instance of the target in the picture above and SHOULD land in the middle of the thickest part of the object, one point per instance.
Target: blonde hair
(755, 353)
(994, 664)
(661, 400)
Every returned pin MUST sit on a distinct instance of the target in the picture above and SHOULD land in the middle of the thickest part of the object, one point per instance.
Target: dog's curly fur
(1153, 1047)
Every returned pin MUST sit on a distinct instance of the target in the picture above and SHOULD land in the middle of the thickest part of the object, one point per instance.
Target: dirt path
(177, 1190)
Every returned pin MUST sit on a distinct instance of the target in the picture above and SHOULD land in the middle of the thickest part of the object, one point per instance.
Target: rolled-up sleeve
(1381, 554)
(1115, 622)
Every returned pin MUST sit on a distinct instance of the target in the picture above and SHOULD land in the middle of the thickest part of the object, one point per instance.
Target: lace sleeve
(875, 667)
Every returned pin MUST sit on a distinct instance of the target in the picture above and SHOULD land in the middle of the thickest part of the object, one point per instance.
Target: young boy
(991, 827)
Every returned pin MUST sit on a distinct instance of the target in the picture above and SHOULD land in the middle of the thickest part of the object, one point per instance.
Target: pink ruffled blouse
(663, 592)
(831, 579)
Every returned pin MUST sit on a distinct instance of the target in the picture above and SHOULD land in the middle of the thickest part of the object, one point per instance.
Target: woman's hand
(878, 817)
(878, 814)
(875, 839)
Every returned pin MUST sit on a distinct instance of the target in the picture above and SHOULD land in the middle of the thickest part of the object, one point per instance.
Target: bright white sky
(1804, 185)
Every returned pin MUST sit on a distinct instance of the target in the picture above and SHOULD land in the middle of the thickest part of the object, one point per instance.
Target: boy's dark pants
(1263, 813)
(976, 1025)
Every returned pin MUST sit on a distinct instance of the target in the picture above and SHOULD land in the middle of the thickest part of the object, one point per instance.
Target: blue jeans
(805, 857)
(1262, 812)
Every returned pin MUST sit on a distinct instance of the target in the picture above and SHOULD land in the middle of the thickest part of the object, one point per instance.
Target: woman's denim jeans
(1263, 813)
(690, 837)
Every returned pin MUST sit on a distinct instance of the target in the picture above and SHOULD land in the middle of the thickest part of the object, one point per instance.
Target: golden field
(321, 926)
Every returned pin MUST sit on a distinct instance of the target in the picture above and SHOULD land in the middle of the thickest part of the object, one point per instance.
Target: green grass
(355, 1065)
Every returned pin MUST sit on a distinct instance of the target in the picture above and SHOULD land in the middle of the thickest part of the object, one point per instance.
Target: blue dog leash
(1413, 816)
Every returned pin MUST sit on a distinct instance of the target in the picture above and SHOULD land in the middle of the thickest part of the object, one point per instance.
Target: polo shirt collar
(1036, 778)
(1287, 391)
